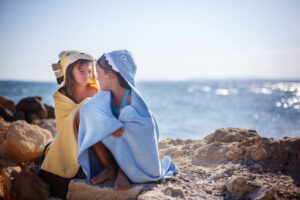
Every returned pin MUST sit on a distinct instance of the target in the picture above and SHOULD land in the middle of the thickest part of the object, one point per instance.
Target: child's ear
(111, 75)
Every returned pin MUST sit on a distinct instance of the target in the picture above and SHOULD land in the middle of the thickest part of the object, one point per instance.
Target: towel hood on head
(122, 62)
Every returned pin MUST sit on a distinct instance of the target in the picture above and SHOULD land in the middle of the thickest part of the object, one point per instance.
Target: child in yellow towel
(76, 70)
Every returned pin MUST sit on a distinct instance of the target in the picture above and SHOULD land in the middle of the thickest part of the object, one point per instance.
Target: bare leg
(107, 160)
(122, 182)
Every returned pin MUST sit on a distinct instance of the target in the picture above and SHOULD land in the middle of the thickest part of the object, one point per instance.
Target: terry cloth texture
(136, 151)
(61, 157)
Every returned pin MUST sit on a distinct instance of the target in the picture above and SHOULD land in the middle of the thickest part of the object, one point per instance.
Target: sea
(196, 108)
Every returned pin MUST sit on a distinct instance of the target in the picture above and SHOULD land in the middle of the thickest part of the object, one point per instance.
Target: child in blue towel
(118, 104)
(111, 80)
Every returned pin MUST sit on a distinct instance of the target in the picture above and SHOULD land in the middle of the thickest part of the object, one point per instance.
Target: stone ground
(230, 163)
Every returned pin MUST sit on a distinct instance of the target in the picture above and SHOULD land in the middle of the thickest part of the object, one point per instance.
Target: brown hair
(103, 64)
(70, 80)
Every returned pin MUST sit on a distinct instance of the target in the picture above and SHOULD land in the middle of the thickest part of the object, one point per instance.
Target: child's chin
(84, 82)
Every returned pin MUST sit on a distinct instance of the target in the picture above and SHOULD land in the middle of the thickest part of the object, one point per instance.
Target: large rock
(50, 111)
(26, 185)
(6, 113)
(2, 145)
(3, 124)
(81, 189)
(285, 157)
(7, 168)
(49, 124)
(7, 103)
(19, 115)
(3, 127)
(33, 108)
(259, 154)
(25, 142)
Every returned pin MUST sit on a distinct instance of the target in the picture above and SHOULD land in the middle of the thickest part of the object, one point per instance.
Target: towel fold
(61, 157)
(136, 152)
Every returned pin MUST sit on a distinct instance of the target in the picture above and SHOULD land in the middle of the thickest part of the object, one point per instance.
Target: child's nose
(88, 74)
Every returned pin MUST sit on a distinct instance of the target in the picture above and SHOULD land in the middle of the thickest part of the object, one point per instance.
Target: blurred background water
(193, 109)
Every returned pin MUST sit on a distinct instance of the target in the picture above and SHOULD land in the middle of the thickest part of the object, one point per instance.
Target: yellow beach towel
(61, 158)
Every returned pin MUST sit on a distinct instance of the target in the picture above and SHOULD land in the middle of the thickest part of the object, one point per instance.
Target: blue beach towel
(136, 151)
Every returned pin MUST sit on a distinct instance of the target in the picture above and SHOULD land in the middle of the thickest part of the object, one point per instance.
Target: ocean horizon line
(180, 80)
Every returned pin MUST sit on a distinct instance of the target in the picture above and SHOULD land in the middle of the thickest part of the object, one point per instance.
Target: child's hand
(119, 132)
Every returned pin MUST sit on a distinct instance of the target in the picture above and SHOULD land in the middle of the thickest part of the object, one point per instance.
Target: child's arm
(119, 132)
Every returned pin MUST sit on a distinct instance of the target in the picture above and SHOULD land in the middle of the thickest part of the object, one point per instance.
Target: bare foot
(122, 182)
(106, 175)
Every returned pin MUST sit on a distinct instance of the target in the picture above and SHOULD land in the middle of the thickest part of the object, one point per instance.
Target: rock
(19, 115)
(32, 105)
(173, 152)
(218, 174)
(285, 157)
(50, 111)
(232, 155)
(162, 145)
(262, 193)
(82, 189)
(238, 187)
(170, 192)
(176, 192)
(259, 154)
(176, 142)
(26, 185)
(3, 125)
(2, 145)
(211, 154)
(31, 117)
(257, 166)
(6, 113)
(49, 124)
(7, 168)
(25, 142)
(7, 103)
(229, 135)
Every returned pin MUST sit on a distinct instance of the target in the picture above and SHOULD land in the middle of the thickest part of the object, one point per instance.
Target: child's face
(104, 78)
(83, 73)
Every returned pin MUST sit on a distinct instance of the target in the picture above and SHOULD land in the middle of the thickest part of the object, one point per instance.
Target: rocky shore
(229, 163)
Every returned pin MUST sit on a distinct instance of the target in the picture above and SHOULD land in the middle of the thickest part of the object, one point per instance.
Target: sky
(169, 39)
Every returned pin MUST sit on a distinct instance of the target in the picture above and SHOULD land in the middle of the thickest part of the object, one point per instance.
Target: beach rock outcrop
(7, 108)
(235, 163)
(33, 108)
(3, 124)
(50, 112)
(25, 142)
(7, 168)
(7, 103)
(81, 189)
(230, 163)
(48, 124)
(6, 114)
(26, 185)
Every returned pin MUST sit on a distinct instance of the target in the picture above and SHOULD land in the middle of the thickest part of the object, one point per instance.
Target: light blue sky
(169, 40)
